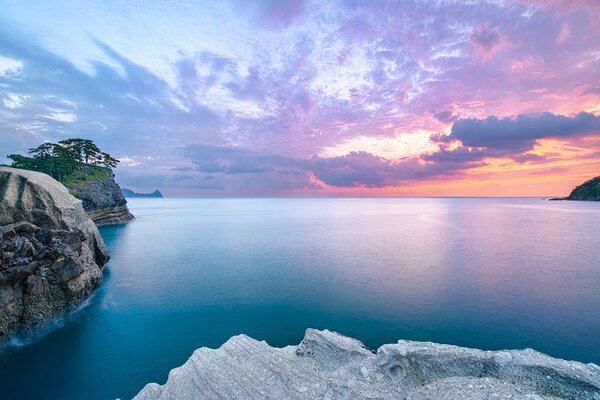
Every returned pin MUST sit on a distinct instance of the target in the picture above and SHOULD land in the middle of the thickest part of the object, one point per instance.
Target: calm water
(487, 273)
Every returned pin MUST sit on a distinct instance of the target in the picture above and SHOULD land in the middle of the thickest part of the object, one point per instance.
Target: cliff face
(102, 200)
(51, 254)
(327, 365)
(589, 190)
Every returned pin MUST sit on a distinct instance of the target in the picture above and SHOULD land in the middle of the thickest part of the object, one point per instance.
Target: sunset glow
(303, 98)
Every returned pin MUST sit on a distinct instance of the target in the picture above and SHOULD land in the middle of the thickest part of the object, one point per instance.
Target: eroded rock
(51, 254)
(327, 365)
(103, 201)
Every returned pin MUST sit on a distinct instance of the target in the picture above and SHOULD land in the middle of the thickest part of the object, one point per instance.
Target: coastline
(169, 334)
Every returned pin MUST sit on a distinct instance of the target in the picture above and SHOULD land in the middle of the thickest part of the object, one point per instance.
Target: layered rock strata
(327, 365)
(103, 201)
(51, 254)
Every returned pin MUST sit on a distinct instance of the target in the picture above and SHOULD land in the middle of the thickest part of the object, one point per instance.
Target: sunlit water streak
(487, 273)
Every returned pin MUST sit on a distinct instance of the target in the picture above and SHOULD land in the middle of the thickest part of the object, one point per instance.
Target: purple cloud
(522, 132)
(445, 116)
(255, 109)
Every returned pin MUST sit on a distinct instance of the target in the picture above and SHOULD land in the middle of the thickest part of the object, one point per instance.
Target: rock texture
(131, 193)
(589, 190)
(327, 365)
(51, 254)
(103, 201)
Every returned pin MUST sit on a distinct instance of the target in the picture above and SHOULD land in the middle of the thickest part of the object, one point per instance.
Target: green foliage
(68, 161)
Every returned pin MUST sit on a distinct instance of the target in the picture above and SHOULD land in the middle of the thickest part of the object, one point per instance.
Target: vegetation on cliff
(86, 171)
(589, 190)
(69, 161)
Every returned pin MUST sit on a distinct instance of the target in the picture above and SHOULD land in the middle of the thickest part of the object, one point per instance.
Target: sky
(312, 98)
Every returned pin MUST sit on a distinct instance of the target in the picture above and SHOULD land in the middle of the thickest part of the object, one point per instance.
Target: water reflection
(489, 273)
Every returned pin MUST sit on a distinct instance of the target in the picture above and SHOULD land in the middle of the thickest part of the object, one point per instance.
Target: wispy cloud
(302, 96)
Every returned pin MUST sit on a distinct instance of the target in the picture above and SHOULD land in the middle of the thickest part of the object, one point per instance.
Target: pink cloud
(564, 35)
(524, 63)
(564, 5)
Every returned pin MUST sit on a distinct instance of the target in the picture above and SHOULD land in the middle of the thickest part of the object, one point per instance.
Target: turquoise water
(487, 273)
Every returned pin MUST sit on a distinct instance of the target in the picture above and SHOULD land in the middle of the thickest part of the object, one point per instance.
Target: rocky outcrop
(327, 365)
(130, 193)
(589, 190)
(51, 254)
(103, 200)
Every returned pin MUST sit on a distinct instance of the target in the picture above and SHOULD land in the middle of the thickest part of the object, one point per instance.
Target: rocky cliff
(51, 254)
(102, 199)
(327, 365)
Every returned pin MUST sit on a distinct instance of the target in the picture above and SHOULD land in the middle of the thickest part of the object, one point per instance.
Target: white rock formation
(327, 365)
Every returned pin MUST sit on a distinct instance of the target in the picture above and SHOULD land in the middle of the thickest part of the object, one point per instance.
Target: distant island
(589, 190)
(130, 193)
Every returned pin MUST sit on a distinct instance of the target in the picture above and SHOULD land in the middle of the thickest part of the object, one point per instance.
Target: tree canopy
(61, 159)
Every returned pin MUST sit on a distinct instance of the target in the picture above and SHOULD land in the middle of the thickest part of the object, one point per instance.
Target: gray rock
(103, 201)
(51, 254)
(327, 365)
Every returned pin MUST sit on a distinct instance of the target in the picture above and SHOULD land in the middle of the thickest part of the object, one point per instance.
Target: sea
(490, 273)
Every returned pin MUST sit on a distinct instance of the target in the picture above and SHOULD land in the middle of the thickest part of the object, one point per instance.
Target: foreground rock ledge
(327, 365)
(51, 254)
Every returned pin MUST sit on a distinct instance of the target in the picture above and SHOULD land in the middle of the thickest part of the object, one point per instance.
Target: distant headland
(131, 194)
(589, 190)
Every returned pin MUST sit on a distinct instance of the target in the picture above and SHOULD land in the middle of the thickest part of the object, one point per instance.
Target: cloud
(9, 66)
(564, 6)
(522, 132)
(278, 13)
(487, 42)
(564, 35)
(13, 100)
(259, 170)
(445, 116)
(255, 101)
